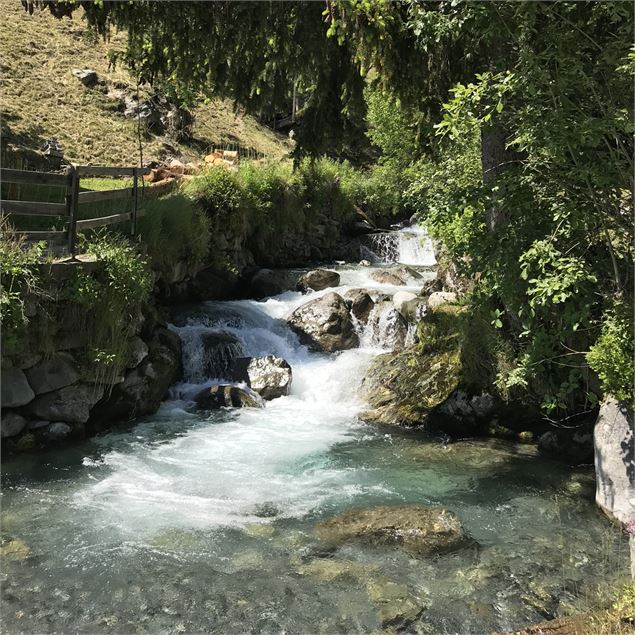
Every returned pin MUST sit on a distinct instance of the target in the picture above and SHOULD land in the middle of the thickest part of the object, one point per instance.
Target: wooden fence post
(135, 194)
(72, 202)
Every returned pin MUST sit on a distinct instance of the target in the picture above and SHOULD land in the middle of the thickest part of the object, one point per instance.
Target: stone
(70, 404)
(269, 376)
(574, 446)
(220, 350)
(318, 279)
(267, 282)
(615, 462)
(387, 277)
(52, 373)
(27, 360)
(228, 396)
(365, 263)
(212, 283)
(15, 389)
(324, 324)
(361, 304)
(57, 431)
(417, 529)
(441, 297)
(137, 351)
(11, 424)
(178, 273)
(388, 326)
(86, 76)
(14, 549)
(176, 167)
(143, 388)
(407, 304)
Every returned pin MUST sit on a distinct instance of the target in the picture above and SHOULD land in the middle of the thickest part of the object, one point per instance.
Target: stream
(194, 522)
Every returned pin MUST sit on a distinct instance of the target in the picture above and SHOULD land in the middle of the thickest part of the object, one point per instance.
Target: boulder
(269, 376)
(441, 297)
(228, 396)
(384, 276)
(268, 282)
(137, 351)
(415, 528)
(27, 360)
(12, 424)
(361, 304)
(406, 272)
(407, 304)
(615, 462)
(57, 431)
(143, 388)
(52, 373)
(15, 389)
(364, 263)
(324, 324)
(574, 446)
(212, 283)
(86, 76)
(318, 279)
(69, 404)
(220, 350)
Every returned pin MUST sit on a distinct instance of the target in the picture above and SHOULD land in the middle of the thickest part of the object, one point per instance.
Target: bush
(174, 229)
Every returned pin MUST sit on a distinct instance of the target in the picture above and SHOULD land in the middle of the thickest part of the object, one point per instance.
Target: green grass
(40, 98)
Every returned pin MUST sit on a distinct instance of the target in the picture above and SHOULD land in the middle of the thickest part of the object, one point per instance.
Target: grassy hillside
(40, 98)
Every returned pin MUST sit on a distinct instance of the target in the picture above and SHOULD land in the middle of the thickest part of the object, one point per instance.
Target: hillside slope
(40, 98)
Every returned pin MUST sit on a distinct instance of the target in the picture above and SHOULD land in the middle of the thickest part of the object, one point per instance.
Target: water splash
(408, 246)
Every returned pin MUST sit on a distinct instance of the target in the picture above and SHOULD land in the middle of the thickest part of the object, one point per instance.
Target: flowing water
(192, 522)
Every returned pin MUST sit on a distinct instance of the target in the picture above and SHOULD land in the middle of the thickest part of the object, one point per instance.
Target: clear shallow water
(193, 522)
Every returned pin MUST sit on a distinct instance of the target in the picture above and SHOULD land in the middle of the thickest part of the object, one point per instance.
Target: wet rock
(69, 404)
(415, 528)
(12, 424)
(389, 328)
(52, 373)
(269, 376)
(27, 360)
(440, 297)
(387, 277)
(318, 279)
(57, 431)
(324, 324)
(365, 263)
(86, 76)
(463, 407)
(361, 304)
(143, 388)
(406, 272)
(614, 461)
(15, 388)
(407, 304)
(228, 396)
(220, 351)
(572, 446)
(268, 282)
(213, 283)
(137, 352)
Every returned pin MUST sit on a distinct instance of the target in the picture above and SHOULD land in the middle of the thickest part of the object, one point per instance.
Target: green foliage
(174, 229)
(611, 357)
(109, 301)
(19, 283)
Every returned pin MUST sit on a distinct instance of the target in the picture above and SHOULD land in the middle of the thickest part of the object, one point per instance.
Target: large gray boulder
(51, 373)
(269, 376)
(318, 279)
(69, 404)
(228, 396)
(15, 389)
(12, 424)
(415, 528)
(324, 324)
(615, 461)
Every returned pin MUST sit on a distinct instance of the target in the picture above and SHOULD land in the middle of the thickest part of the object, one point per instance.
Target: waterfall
(408, 246)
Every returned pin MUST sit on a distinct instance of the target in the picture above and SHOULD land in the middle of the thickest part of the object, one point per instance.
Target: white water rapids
(227, 471)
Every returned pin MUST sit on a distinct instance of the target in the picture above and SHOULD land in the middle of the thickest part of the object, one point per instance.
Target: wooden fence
(70, 180)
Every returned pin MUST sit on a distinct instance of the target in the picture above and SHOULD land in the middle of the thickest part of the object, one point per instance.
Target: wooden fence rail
(70, 181)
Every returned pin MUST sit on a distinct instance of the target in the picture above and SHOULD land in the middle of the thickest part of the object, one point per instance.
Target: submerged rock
(14, 549)
(228, 396)
(318, 279)
(269, 376)
(415, 528)
(324, 324)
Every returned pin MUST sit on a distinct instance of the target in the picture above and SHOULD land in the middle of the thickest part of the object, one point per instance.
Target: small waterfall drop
(408, 246)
